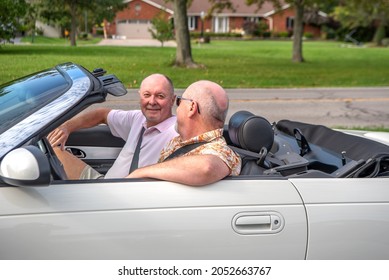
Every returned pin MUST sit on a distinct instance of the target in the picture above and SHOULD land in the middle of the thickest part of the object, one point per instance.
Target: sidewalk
(136, 43)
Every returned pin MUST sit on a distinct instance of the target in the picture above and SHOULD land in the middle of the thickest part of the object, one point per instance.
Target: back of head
(213, 101)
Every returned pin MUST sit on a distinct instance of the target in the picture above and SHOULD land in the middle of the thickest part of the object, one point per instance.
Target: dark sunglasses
(179, 98)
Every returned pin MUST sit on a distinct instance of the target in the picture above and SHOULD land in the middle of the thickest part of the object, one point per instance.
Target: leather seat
(250, 132)
(254, 134)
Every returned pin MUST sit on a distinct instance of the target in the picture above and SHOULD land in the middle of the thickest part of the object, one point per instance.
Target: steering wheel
(57, 169)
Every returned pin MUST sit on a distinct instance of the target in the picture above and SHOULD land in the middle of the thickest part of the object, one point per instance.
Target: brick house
(134, 21)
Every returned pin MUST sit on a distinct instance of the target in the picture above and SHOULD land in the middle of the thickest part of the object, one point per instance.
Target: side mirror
(26, 166)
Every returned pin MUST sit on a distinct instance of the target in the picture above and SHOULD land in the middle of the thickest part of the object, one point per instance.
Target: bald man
(201, 113)
(155, 116)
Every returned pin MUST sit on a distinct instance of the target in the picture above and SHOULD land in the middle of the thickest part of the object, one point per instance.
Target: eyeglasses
(180, 98)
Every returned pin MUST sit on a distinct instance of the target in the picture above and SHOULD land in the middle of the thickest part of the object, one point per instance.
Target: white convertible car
(305, 192)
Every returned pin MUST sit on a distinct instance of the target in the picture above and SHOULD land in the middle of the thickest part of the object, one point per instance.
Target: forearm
(59, 136)
(87, 120)
(196, 170)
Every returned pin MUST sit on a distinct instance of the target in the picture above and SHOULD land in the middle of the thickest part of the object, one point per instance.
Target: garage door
(134, 29)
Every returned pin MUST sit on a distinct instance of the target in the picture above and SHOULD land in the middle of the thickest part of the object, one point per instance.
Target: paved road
(348, 107)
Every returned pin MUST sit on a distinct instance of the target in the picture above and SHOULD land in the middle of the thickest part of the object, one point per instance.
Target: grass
(233, 64)
(40, 40)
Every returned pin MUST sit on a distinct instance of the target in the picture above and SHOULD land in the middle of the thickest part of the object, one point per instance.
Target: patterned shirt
(216, 146)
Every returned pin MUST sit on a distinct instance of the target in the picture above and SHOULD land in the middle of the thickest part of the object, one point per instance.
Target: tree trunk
(298, 30)
(73, 28)
(183, 51)
(379, 33)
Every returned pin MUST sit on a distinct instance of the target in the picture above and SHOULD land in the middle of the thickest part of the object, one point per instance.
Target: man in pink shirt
(154, 123)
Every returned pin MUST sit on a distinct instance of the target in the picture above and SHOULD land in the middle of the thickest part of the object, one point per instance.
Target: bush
(250, 28)
(84, 36)
(308, 35)
(385, 42)
(280, 34)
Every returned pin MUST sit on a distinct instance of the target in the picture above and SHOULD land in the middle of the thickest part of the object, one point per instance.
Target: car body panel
(348, 218)
(151, 219)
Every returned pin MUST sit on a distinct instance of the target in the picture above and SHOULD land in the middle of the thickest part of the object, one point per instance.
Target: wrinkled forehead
(156, 84)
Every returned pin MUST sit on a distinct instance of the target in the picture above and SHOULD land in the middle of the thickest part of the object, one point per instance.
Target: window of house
(252, 19)
(220, 24)
(191, 23)
(289, 23)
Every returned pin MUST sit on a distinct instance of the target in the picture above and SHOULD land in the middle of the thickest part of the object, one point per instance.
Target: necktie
(135, 158)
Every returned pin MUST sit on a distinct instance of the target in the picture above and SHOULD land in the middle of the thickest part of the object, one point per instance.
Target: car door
(96, 146)
(240, 218)
(347, 218)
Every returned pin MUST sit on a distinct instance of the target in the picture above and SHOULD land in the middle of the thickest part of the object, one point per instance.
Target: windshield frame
(78, 86)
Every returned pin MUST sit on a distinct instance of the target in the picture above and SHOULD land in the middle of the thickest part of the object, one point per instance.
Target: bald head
(161, 80)
(212, 99)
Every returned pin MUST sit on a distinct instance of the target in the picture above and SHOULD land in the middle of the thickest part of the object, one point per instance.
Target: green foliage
(197, 35)
(353, 14)
(62, 12)
(308, 35)
(11, 12)
(385, 42)
(162, 29)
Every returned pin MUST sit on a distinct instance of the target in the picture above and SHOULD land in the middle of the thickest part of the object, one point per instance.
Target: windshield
(21, 98)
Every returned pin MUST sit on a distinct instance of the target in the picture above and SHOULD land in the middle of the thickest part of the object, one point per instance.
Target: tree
(67, 12)
(302, 9)
(106, 10)
(162, 29)
(11, 11)
(183, 50)
(355, 13)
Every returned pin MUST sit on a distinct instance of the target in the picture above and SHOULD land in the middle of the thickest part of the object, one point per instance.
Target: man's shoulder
(123, 115)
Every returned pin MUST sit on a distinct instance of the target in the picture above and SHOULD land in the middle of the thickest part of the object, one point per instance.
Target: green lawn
(234, 64)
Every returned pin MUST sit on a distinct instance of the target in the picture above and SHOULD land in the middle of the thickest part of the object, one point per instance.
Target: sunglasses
(180, 98)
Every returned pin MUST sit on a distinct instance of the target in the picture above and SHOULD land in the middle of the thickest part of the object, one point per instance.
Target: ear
(192, 109)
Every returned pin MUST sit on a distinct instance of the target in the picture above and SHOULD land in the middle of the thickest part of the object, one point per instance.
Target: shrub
(385, 42)
(283, 34)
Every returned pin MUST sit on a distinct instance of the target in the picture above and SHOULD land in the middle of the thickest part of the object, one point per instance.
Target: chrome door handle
(257, 222)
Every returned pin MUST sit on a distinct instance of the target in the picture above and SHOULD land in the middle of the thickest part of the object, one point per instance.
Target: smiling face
(156, 99)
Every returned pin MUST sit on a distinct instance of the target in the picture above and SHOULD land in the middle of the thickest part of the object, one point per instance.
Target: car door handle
(257, 222)
(76, 152)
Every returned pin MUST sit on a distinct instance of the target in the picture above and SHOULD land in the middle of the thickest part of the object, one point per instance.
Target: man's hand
(59, 136)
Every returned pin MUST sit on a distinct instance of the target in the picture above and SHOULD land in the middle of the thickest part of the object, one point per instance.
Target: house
(134, 21)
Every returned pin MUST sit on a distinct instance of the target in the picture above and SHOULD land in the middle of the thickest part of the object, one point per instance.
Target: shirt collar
(205, 137)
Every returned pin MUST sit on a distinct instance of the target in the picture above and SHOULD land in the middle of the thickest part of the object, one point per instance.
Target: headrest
(250, 132)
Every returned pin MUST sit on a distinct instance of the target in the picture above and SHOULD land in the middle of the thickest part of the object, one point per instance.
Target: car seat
(251, 137)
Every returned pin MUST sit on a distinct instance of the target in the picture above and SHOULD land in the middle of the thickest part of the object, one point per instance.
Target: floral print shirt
(216, 145)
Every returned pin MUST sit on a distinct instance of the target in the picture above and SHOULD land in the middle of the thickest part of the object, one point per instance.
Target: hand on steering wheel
(58, 137)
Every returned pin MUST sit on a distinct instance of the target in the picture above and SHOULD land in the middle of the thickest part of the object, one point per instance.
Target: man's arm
(194, 170)
(92, 118)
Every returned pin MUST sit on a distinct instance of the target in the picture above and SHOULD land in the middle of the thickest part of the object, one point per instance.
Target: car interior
(284, 149)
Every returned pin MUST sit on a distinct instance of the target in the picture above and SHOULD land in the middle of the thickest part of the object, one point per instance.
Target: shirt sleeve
(226, 154)
(120, 122)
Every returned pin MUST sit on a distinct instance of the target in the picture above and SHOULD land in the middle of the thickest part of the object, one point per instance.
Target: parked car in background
(305, 191)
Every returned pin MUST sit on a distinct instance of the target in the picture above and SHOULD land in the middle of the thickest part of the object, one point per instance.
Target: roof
(240, 8)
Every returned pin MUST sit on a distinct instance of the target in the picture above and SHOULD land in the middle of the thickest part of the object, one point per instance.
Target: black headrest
(250, 132)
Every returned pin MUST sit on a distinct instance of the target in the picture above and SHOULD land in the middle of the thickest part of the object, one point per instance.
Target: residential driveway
(136, 43)
(348, 107)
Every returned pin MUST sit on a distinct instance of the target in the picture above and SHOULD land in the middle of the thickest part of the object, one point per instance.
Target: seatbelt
(135, 158)
(184, 150)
